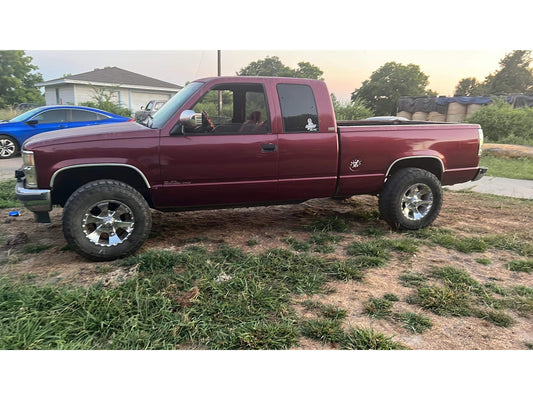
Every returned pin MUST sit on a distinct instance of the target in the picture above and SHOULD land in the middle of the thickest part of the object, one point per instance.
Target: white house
(128, 89)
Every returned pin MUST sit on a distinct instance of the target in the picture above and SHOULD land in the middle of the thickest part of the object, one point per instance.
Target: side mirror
(188, 119)
(32, 122)
(142, 107)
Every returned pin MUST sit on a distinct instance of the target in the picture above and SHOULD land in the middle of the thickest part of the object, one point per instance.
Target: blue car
(14, 132)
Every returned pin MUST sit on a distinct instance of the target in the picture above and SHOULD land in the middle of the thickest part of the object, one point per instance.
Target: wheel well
(432, 165)
(67, 181)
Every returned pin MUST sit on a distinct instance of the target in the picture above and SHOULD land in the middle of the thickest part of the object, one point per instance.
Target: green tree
(18, 79)
(308, 70)
(352, 111)
(514, 75)
(272, 66)
(469, 87)
(390, 81)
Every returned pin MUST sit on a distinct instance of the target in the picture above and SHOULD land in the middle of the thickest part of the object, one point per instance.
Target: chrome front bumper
(36, 200)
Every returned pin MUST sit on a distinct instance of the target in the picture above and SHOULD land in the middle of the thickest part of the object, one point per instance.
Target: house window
(58, 99)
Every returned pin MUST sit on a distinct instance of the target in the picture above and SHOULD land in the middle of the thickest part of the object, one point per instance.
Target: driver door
(234, 163)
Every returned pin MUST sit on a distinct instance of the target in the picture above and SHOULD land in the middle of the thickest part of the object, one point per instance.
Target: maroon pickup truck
(233, 142)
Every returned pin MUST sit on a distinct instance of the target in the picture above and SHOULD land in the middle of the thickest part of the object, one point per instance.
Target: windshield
(161, 117)
(26, 115)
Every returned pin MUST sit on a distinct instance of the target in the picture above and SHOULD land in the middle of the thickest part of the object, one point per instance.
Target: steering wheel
(206, 121)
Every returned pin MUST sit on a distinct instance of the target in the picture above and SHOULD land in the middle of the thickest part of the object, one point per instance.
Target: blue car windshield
(26, 115)
(161, 117)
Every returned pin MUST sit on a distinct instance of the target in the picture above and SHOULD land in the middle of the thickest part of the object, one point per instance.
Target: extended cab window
(232, 109)
(298, 108)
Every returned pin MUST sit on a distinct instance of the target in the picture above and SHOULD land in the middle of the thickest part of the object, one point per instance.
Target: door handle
(268, 148)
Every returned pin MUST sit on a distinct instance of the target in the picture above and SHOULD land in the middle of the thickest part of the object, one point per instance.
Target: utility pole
(219, 57)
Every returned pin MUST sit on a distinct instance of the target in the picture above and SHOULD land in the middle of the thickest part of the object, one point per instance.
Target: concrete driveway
(500, 186)
(8, 167)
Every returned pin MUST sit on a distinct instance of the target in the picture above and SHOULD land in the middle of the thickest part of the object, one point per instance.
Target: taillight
(480, 133)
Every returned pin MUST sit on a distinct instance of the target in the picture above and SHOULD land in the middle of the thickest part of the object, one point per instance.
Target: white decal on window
(310, 126)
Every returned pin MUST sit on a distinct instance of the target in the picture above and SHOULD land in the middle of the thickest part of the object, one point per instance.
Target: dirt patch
(507, 150)
(43, 257)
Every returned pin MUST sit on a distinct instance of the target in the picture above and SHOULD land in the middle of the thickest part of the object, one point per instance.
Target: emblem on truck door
(354, 164)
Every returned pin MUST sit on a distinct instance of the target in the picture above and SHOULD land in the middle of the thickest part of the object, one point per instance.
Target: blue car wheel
(8, 147)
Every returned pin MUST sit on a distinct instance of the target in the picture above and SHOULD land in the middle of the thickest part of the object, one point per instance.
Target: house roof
(112, 76)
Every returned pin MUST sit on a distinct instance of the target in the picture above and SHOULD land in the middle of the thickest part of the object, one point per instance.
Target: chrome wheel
(108, 223)
(7, 148)
(417, 201)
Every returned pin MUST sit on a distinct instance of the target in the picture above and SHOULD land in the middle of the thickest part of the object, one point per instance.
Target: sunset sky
(177, 42)
(344, 70)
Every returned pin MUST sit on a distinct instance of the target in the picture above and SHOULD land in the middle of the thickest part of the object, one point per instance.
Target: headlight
(28, 166)
(480, 133)
(27, 158)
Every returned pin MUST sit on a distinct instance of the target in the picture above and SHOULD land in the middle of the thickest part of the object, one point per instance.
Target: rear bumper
(481, 171)
(36, 200)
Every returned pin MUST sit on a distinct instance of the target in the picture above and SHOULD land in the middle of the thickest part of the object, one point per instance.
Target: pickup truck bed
(384, 147)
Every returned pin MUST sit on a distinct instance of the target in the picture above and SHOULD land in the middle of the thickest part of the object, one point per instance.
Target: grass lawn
(515, 168)
(7, 194)
(225, 299)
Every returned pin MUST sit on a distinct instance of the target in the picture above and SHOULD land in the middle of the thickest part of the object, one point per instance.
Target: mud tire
(79, 204)
(392, 200)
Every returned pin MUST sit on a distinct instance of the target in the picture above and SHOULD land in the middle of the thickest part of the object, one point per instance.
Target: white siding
(50, 96)
(86, 93)
(77, 94)
(66, 95)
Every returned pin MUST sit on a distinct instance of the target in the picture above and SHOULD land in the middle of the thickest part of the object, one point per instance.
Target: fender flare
(56, 173)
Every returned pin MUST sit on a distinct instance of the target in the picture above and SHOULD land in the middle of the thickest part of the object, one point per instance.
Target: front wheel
(106, 219)
(410, 199)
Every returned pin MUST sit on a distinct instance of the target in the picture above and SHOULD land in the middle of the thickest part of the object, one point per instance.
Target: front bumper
(481, 171)
(36, 200)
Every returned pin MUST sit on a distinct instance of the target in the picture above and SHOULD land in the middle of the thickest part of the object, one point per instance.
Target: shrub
(503, 124)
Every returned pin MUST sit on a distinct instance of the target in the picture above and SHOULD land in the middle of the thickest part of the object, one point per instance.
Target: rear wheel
(9, 147)
(411, 199)
(106, 219)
